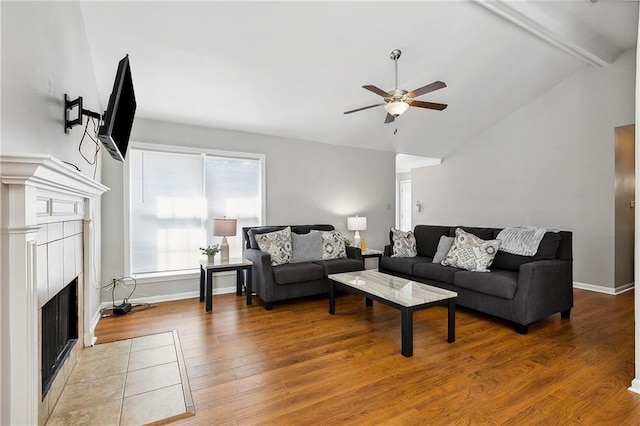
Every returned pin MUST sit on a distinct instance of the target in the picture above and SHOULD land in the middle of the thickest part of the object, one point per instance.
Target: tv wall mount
(69, 106)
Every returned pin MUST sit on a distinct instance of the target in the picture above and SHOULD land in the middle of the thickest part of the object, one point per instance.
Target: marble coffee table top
(399, 290)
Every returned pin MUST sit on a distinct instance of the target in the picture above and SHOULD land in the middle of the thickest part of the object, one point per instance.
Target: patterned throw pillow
(333, 245)
(277, 244)
(404, 243)
(471, 253)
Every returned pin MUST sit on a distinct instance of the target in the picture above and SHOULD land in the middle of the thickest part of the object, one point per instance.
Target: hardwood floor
(297, 364)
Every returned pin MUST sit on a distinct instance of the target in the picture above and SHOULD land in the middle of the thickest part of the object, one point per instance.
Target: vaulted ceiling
(291, 69)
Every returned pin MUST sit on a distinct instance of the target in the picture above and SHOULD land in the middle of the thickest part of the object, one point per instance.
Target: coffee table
(405, 295)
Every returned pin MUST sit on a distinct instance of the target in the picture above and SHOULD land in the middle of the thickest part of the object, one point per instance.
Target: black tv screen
(118, 119)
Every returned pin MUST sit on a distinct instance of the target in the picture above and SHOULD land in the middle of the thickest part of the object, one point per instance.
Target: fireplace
(59, 332)
(48, 237)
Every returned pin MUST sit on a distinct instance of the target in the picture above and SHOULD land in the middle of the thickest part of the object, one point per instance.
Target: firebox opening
(59, 332)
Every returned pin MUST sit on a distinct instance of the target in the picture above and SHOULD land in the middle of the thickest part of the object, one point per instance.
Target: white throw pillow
(333, 245)
(471, 253)
(404, 243)
(277, 244)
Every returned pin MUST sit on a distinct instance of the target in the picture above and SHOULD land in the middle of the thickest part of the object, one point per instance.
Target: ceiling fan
(398, 101)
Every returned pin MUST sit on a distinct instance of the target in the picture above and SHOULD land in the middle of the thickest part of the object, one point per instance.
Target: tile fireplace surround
(48, 237)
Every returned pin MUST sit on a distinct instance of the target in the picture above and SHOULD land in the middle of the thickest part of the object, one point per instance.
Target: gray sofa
(293, 280)
(519, 289)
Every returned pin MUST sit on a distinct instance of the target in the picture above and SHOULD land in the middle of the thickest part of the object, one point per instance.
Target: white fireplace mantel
(36, 190)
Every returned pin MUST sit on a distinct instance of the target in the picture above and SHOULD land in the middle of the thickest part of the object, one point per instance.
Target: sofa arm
(387, 250)
(545, 287)
(262, 279)
(354, 253)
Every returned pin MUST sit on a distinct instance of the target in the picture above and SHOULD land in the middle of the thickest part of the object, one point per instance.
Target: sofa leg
(268, 306)
(522, 329)
(566, 313)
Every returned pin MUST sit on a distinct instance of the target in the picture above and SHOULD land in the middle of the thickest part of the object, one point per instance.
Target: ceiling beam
(572, 37)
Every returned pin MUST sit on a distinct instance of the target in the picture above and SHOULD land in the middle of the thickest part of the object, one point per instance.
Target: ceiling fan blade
(363, 108)
(389, 119)
(377, 91)
(428, 105)
(426, 89)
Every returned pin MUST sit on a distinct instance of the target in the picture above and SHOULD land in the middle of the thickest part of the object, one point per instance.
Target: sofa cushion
(298, 229)
(306, 247)
(277, 244)
(482, 233)
(402, 264)
(297, 272)
(337, 266)
(547, 249)
(428, 237)
(305, 229)
(403, 243)
(470, 252)
(435, 271)
(496, 283)
(443, 248)
(333, 246)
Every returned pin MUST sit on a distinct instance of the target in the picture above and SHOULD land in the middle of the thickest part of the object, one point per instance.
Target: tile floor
(129, 382)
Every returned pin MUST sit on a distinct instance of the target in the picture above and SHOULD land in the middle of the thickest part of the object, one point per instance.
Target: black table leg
(209, 292)
(239, 282)
(407, 332)
(202, 278)
(332, 299)
(368, 302)
(451, 325)
(248, 287)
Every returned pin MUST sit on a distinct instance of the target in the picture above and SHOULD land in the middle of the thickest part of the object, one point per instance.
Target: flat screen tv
(118, 119)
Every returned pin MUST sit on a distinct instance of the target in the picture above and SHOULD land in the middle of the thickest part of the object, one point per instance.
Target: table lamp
(224, 228)
(357, 223)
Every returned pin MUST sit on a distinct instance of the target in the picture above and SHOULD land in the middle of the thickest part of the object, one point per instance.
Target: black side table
(369, 253)
(206, 278)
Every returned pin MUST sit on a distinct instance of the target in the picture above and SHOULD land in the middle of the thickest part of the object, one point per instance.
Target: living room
(546, 158)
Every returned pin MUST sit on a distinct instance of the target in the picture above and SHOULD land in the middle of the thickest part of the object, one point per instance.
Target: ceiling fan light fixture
(396, 108)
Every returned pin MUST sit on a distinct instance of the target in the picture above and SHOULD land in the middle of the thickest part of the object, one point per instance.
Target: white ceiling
(290, 69)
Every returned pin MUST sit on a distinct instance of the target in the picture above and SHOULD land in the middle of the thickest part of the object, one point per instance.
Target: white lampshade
(396, 108)
(224, 227)
(357, 223)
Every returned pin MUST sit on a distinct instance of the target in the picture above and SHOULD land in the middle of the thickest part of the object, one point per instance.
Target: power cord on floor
(124, 307)
(108, 312)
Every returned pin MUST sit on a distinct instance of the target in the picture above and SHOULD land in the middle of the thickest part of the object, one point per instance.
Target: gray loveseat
(520, 289)
(293, 280)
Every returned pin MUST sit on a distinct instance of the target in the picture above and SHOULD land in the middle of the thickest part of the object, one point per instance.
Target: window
(174, 196)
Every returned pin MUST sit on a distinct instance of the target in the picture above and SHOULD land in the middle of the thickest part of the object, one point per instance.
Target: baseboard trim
(169, 297)
(635, 386)
(605, 290)
(90, 335)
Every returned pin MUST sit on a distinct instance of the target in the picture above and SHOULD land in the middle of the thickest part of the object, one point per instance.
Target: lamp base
(224, 250)
(356, 239)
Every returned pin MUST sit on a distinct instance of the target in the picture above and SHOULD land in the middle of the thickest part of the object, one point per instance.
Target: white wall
(551, 163)
(306, 183)
(44, 56)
